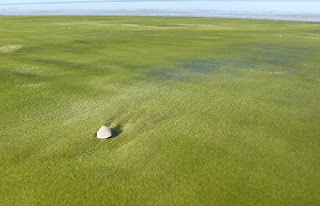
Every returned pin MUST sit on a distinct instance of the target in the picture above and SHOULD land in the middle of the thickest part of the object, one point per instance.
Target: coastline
(276, 17)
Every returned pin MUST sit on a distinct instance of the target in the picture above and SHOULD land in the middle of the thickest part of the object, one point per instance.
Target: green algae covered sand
(206, 111)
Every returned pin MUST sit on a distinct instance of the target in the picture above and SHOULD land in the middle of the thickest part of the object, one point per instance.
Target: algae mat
(208, 111)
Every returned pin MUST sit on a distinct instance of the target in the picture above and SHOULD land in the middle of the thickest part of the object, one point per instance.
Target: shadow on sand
(116, 131)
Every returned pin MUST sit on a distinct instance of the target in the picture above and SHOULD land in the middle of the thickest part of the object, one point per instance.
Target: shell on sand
(104, 132)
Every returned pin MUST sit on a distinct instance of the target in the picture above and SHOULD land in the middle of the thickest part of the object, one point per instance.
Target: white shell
(104, 132)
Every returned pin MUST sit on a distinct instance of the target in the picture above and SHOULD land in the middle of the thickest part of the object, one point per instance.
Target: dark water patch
(17, 74)
(272, 48)
(198, 67)
(274, 55)
(206, 66)
(83, 68)
(203, 66)
(166, 74)
(133, 66)
(316, 31)
(268, 62)
(81, 41)
(277, 61)
(191, 68)
(22, 74)
(61, 64)
(88, 42)
(101, 42)
(284, 49)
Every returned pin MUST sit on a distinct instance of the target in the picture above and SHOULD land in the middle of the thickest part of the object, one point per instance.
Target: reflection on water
(289, 10)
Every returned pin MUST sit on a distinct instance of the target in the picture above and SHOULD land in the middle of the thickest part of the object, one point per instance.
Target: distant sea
(262, 9)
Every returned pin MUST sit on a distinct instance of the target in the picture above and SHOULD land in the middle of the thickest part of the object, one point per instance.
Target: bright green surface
(212, 111)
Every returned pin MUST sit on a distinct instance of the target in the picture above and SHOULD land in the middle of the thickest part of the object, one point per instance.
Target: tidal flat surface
(205, 111)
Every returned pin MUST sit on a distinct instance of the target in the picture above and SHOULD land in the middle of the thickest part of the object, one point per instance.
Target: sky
(275, 9)
(2, 2)
(99, 2)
